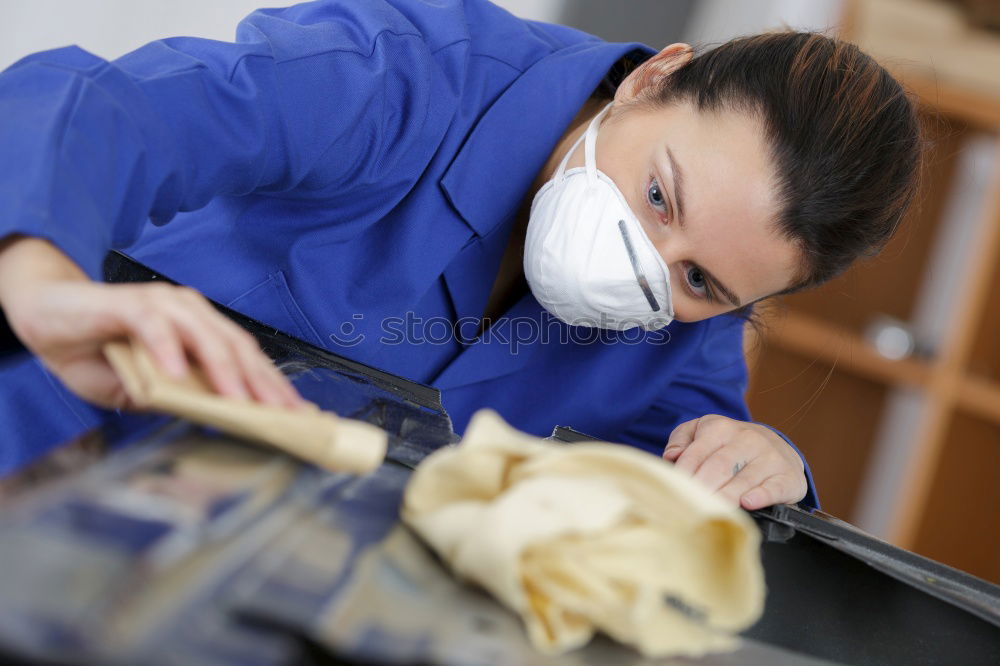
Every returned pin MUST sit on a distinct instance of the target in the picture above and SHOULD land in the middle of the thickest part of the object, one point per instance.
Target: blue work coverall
(348, 172)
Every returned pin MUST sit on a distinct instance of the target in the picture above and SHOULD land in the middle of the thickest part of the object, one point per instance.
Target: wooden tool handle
(323, 438)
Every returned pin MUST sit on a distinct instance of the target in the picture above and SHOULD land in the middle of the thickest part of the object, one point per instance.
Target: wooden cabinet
(907, 449)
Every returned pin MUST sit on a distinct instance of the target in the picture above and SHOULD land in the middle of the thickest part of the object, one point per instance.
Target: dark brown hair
(844, 137)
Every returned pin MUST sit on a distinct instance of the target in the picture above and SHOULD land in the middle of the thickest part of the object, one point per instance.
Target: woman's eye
(696, 280)
(655, 196)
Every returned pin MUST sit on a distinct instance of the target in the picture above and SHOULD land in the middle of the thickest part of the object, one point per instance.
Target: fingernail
(751, 500)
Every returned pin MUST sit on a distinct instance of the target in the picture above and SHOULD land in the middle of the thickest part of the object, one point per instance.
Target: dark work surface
(839, 594)
(294, 565)
(158, 542)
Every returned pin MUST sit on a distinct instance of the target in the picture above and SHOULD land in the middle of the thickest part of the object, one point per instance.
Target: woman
(361, 176)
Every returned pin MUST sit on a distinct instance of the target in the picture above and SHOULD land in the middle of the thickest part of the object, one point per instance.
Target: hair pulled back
(844, 136)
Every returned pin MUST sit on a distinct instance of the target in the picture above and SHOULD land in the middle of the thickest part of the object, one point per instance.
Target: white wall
(715, 21)
(111, 28)
(537, 10)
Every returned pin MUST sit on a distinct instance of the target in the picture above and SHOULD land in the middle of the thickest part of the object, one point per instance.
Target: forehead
(730, 195)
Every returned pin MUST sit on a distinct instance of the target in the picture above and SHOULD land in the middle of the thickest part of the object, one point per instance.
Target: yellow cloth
(323, 438)
(585, 537)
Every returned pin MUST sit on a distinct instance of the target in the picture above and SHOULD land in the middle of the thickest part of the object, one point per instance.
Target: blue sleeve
(312, 101)
(713, 381)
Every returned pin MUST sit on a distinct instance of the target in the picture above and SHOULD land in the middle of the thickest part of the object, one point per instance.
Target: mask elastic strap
(590, 162)
(590, 143)
(561, 171)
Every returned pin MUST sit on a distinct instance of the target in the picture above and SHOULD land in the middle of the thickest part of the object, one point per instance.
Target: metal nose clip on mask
(586, 257)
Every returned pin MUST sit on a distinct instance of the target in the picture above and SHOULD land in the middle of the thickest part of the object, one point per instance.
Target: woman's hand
(746, 463)
(64, 319)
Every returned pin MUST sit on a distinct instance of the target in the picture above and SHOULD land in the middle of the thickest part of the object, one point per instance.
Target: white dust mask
(586, 256)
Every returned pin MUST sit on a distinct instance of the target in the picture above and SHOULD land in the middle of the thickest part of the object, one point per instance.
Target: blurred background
(889, 377)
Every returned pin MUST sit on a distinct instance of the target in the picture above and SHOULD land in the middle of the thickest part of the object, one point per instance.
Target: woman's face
(703, 187)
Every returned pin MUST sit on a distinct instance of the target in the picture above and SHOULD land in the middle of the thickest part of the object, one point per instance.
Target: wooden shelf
(941, 96)
(980, 397)
(937, 94)
(815, 339)
(960, 525)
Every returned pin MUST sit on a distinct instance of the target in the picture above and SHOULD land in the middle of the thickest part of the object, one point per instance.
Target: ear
(653, 70)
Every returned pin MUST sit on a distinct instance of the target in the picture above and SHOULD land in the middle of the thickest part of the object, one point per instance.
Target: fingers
(207, 346)
(155, 332)
(231, 358)
(66, 323)
(680, 438)
(710, 436)
(177, 324)
(742, 480)
(727, 463)
(747, 464)
(777, 489)
(264, 381)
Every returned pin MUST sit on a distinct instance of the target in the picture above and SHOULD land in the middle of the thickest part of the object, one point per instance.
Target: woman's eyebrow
(677, 176)
(725, 291)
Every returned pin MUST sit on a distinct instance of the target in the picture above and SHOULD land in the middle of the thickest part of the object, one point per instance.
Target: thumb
(680, 438)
